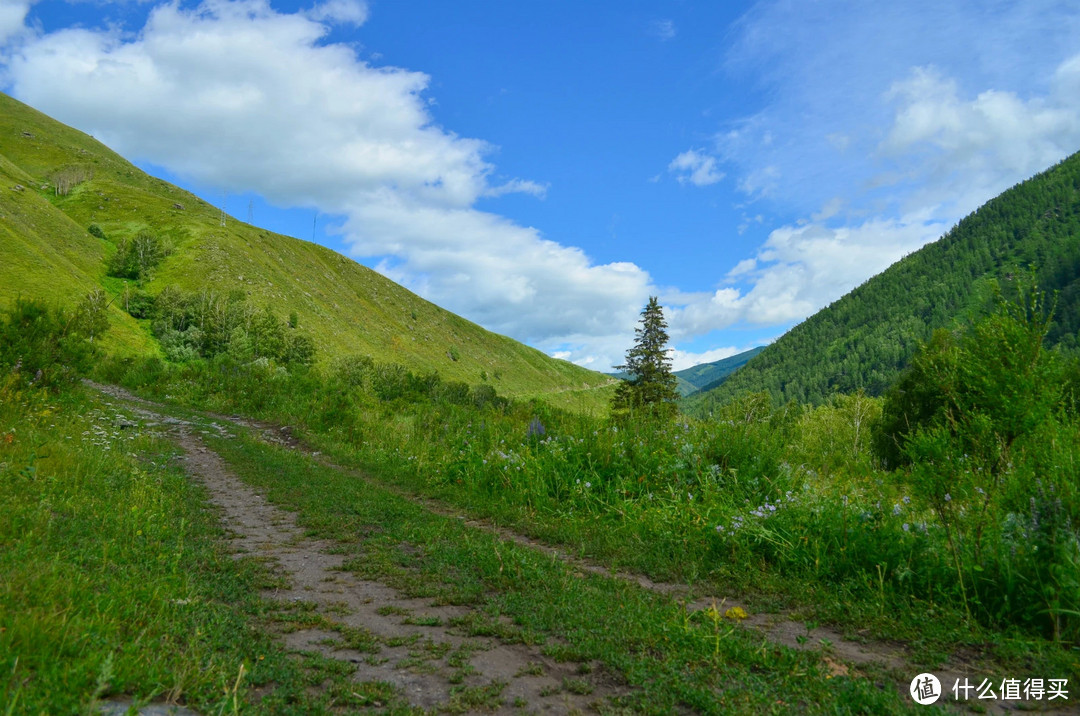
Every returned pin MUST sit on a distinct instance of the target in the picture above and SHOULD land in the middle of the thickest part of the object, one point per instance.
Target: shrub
(982, 419)
(46, 346)
(137, 258)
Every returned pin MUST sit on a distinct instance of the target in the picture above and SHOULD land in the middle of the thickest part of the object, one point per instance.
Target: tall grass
(761, 495)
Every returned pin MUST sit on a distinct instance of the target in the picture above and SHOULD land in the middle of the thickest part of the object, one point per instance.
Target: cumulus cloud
(12, 19)
(238, 95)
(967, 149)
(351, 12)
(695, 167)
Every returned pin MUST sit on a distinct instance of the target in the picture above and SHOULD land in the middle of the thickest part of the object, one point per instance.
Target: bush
(983, 420)
(137, 258)
(47, 346)
(205, 325)
(138, 304)
(351, 370)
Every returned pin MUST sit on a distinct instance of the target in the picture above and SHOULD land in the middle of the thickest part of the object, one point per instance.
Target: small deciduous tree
(651, 384)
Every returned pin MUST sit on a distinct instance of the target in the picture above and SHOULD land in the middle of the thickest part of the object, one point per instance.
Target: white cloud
(663, 29)
(826, 70)
(12, 19)
(762, 182)
(681, 360)
(743, 267)
(517, 186)
(695, 167)
(968, 149)
(351, 12)
(798, 270)
(238, 95)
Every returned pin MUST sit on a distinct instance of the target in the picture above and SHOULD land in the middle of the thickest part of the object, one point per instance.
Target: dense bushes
(985, 427)
(136, 258)
(205, 325)
(49, 346)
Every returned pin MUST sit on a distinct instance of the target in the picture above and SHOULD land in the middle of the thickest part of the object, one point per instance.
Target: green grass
(118, 583)
(669, 659)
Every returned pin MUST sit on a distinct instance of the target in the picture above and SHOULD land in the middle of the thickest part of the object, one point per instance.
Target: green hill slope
(864, 339)
(345, 307)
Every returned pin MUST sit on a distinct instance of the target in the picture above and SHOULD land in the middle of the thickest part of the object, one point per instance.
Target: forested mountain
(864, 339)
(71, 210)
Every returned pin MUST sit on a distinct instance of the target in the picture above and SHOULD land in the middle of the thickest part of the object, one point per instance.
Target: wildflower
(588, 484)
(948, 497)
(907, 500)
(719, 528)
(907, 527)
(536, 429)
(896, 510)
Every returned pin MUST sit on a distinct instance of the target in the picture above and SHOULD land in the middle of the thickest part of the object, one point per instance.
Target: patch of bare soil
(386, 636)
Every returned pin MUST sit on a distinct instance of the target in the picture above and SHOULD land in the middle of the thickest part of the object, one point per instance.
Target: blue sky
(543, 167)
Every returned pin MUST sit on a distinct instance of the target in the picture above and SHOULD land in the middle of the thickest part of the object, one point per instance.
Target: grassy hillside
(864, 339)
(345, 307)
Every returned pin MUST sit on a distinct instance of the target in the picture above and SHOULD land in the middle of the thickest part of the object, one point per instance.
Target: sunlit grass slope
(345, 307)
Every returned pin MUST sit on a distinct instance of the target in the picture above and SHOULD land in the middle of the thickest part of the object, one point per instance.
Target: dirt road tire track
(844, 656)
(414, 659)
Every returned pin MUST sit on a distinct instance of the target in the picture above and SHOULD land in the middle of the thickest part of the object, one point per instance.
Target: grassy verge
(773, 565)
(116, 578)
(670, 660)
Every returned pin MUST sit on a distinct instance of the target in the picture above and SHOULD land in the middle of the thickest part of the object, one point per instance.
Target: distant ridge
(707, 376)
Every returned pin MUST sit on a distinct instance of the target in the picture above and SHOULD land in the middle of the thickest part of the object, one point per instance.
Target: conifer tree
(651, 385)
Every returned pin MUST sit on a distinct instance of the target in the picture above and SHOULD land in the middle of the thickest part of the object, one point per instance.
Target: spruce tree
(651, 384)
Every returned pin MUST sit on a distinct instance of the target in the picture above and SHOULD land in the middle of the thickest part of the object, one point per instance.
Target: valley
(245, 474)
